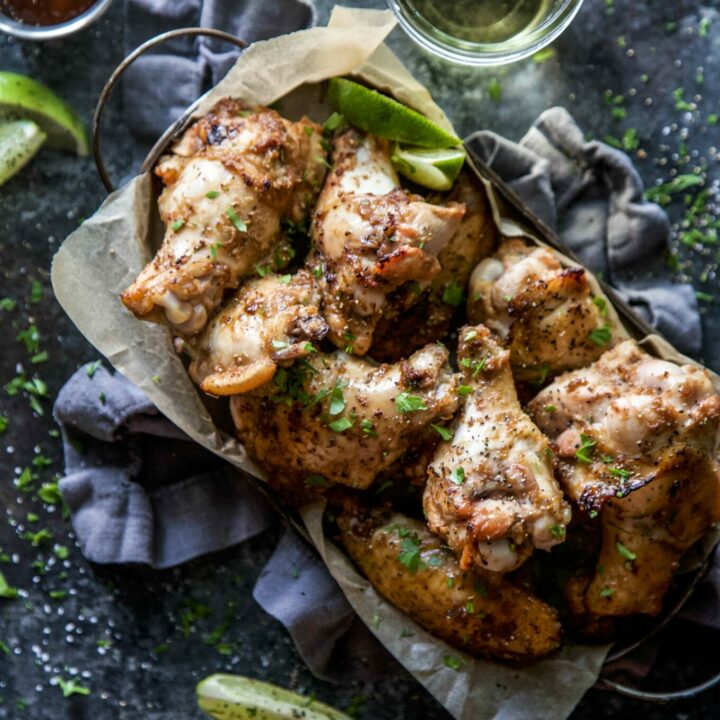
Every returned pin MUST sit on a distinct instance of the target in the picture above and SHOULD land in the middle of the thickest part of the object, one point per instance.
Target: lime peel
(22, 98)
(380, 115)
(435, 169)
(19, 141)
(235, 697)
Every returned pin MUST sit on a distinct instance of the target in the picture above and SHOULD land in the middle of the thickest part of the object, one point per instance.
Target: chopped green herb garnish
(410, 552)
(661, 193)
(624, 552)
(704, 27)
(92, 368)
(543, 55)
(368, 428)
(70, 687)
(335, 121)
(454, 663)
(7, 304)
(620, 472)
(407, 403)
(240, 225)
(58, 594)
(452, 294)
(457, 476)
(4, 422)
(285, 279)
(49, 493)
(606, 592)
(177, 224)
(705, 297)
(340, 425)
(35, 292)
(558, 531)
(30, 338)
(6, 590)
(279, 344)
(212, 194)
(443, 432)
(495, 90)
(601, 336)
(587, 448)
(464, 390)
(315, 481)
(549, 408)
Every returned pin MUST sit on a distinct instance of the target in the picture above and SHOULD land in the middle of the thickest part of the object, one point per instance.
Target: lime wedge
(19, 141)
(22, 97)
(234, 697)
(380, 115)
(431, 168)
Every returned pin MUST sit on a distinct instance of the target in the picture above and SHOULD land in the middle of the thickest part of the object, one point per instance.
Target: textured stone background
(138, 639)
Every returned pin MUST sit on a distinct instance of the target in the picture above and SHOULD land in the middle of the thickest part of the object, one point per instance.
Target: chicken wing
(270, 321)
(491, 493)
(371, 239)
(481, 614)
(547, 313)
(230, 182)
(339, 419)
(399, 333)
(637, 442)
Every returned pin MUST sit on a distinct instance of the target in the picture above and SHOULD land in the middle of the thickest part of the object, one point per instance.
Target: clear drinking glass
(484, 32)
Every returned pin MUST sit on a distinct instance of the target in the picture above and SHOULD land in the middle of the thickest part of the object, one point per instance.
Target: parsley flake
(457, 476)
(452, 294)
(239, 224)
(445, 433)
(454, 663)
(407, 403)
(340, 425)
(625, 552)
(601, 336)
(586, 449)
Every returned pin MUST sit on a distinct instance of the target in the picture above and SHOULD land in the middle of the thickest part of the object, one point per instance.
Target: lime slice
(22, 97)
(234, 697)
(431, 168)
(380, 115)
(19, 141)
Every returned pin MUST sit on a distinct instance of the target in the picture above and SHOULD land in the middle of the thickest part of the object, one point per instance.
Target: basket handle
(120, 69)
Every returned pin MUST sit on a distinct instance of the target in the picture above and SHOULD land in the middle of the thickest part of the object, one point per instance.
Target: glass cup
(484, 32)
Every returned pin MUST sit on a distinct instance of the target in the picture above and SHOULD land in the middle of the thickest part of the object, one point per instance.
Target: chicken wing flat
(491, 493)
(546, 313)
(399, 332)
(269, 322)
(230, 182)
(482, 614)
(372, 238)
(637, 441)
(339, 419)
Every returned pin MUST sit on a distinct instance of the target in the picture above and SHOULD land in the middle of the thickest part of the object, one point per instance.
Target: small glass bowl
(52, 32)
(469, 52)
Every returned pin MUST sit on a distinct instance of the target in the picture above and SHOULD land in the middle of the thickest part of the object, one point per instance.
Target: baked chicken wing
(372, 239)
(482, 614)
(339, 419)
(269, 322)
(546, 313)
(230, 181)
(637, 442)
(491, 493)
(399, 332)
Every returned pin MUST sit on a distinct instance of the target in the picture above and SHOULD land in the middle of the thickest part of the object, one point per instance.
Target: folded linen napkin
(127, 507)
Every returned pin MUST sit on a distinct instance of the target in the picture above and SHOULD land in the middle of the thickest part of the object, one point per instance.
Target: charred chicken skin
(339, 419)
(230, 182)
(372, 239)
(270, 322)
(637, 442)
(546, 313)
(491, 493)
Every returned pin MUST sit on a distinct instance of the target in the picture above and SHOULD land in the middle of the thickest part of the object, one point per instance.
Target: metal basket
(634, 323)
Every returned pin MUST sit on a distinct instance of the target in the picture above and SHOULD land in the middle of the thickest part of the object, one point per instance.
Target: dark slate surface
(138, 639)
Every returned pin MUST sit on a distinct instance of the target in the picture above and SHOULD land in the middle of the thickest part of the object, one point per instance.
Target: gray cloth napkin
(592, 196)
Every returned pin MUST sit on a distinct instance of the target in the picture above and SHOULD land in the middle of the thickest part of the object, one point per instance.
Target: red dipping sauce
(44, 12)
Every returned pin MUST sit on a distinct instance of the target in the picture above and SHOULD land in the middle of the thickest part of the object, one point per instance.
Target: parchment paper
(104, 255)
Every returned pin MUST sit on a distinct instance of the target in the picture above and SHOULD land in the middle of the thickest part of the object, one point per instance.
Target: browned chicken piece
(339, 419)
(230, 182)
(401, 331)
(491, 493)
(270, 322)
(546, 313)
(637, 442)
(372, 239)
(482, 614)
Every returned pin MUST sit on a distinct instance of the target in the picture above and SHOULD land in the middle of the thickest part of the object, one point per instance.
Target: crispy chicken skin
(546, 313)
(372, 238)
(482, 614)
(399, 333)
(269, 322)
(637, 442)
(491, 493)
(230, 181)
(343, 419)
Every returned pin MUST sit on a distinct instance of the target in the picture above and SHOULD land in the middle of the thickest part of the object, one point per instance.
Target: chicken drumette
(372, 239)
(339, 419)
(546, 313)
(399, 333)
(269, 322)
(230, 181)
(637, 442)
(491, 493)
